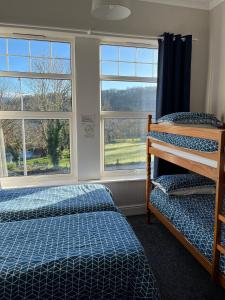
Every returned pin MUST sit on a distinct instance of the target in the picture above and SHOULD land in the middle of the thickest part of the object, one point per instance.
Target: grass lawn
(40, 164)
(125, 152)
(45, 161)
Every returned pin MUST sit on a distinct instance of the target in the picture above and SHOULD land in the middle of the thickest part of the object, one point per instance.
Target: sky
(26, 55)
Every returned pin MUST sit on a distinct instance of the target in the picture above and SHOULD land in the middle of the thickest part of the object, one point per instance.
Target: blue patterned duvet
(187, 142)
(85, 256)
(193, 216)
(31, 203)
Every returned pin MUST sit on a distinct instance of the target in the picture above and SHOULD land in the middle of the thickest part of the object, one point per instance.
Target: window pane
(109, 52)
(127, 54)
(61, 50)
(145, 55)
(109, 68)
(11, 148)
(155, 71)
(40, 48)
(2, 46)
(61, 66)
(3, 64)
(40, 65)
(155, 58)
(47, 95)
(128, 96)
(18, 64)
(10, 94)
(124, 147)
(144, 70)
(18, 47)
(126, 69)
(48, 150)
(46, 65)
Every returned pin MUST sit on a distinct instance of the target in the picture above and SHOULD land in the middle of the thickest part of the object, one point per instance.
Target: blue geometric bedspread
(193, 216)
(187, 142)
(41, 202)
(84, 256)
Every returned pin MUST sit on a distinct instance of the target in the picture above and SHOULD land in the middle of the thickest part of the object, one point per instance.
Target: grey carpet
(179, 275)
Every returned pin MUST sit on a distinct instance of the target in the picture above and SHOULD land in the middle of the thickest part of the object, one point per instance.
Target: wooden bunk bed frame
(217, 174)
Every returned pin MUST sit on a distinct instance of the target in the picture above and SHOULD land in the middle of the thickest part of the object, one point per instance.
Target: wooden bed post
(148, 168)
(217, 247)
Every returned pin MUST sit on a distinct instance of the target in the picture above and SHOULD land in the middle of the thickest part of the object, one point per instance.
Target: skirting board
(133, 210)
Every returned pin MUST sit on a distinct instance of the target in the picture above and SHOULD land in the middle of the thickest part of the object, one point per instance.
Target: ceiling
(202, 4)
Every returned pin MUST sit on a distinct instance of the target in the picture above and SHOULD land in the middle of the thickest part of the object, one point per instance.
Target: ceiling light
(111, 9)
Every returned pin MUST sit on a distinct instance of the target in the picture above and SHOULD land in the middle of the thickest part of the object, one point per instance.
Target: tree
(53, 141)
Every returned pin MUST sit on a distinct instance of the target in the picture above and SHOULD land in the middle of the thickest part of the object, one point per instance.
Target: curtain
(173, 90)
(3, 163)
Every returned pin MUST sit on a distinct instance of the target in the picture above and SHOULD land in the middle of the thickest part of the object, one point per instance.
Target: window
(128, 95)
(36, 108)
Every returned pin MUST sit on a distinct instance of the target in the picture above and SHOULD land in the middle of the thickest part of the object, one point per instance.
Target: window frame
(121, 115)
(37, 180)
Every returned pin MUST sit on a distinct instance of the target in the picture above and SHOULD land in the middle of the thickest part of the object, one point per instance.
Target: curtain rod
(112, 34)
(82, 32)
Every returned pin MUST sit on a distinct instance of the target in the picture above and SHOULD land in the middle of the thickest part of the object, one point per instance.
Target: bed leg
(149, 217)
(148, 171)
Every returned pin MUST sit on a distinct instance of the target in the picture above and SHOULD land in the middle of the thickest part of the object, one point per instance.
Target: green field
(125, 152)
(122, 154)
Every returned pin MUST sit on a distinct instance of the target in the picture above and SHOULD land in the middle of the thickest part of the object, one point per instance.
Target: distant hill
(132, 99)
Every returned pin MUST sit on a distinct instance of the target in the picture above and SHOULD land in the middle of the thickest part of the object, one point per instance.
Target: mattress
(85, 256)
(203, 145)
(31, 203)
(193, 216)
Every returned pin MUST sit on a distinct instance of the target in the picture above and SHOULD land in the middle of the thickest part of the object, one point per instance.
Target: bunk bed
(200, 150)
(42, 202)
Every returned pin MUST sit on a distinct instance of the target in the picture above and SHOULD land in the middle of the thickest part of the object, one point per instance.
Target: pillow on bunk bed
(191, 118)
(185, 184)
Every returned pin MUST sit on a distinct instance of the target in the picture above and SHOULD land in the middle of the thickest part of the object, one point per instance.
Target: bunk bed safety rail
(198, 132)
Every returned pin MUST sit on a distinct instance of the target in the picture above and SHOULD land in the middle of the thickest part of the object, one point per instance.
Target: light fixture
(113, 10)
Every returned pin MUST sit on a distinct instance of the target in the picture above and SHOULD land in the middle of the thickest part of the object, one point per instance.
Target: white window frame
(44, 180)
(121, 115)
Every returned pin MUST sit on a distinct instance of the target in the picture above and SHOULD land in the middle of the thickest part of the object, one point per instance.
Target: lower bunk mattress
(41, 202)
(85, 256)
(193, 216)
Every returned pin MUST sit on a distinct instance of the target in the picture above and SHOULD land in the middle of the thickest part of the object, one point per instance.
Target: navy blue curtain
(173, 90)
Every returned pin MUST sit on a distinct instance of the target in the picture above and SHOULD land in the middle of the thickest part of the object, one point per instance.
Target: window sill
(116, 179)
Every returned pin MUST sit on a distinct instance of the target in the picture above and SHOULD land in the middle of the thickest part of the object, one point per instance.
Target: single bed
(40, 202)
(193, 216)
(185, 142)
(92, 255)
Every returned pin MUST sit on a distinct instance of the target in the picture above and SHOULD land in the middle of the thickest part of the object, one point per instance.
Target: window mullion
(7, 54)
(24, 148)
(129, 78)
(35, 75)
(4, 115)
(29, 57)
(23, 132)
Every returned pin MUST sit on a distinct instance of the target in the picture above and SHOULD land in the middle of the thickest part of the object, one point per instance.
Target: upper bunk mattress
(198, 144)
(41, 202)
(85, 256)
(193, 216)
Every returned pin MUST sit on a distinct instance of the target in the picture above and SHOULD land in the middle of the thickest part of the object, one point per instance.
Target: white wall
(146, 19)
(88, 103)
(216, 80)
